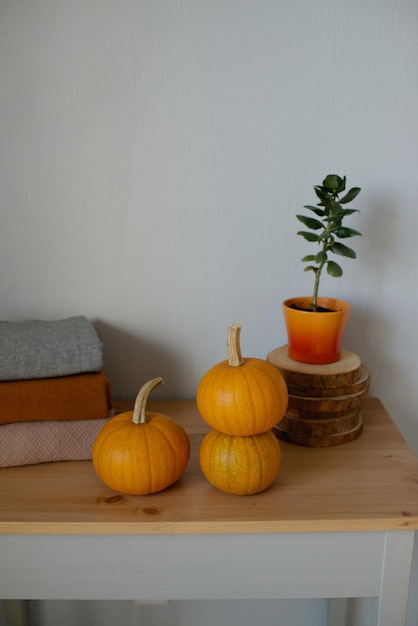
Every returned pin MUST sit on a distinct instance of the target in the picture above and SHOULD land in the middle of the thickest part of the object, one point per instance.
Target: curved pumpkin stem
(139, 416)
(234, 348)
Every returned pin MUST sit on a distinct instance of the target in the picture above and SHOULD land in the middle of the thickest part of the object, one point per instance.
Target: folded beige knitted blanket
(27, 443)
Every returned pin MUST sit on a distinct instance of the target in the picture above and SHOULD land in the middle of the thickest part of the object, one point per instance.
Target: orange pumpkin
(141, 452)
(242, 396)
(240, 465)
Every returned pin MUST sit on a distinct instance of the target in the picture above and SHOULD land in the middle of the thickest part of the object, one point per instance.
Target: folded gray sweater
(40, 349)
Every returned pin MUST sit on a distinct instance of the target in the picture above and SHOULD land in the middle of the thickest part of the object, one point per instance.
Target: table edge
(208, 528)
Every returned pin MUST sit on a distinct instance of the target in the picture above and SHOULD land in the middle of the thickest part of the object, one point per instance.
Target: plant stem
(316, 287)
(325, 245)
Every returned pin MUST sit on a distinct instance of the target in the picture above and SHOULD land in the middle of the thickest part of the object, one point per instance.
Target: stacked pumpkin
(241, 400)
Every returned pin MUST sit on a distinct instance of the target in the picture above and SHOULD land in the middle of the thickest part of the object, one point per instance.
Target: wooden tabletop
(368, 484)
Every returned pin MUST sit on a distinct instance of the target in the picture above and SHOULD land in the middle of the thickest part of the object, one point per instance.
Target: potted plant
(315, 325)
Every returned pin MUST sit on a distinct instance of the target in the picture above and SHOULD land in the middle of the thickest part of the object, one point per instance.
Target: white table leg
(390, 607)
(396, 572)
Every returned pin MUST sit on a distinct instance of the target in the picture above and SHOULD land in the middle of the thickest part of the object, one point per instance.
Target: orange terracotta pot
(315, 337)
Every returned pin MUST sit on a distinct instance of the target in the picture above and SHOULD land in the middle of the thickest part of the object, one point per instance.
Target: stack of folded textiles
(54, 395)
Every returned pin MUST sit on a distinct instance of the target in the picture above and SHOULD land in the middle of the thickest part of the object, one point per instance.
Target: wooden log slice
(320, 440)
(319, 428)
(362, 384)
(324, 408)
(344, 372)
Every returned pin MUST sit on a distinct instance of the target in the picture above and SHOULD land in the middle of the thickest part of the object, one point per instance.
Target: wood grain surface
(368, 484)
(346, 371)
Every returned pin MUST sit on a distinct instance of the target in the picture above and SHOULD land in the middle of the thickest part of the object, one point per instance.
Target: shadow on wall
(375, 337)
(131, 360)
(363, 335)
(361, 338)
(368, 323)
(358, 331)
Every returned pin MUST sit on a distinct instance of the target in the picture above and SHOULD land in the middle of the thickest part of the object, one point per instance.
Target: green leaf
(353, 193)
(322, 195)
(333, 269)
(321, 257)
(337, 208)
(327, 239)
(308, 257)
(315, 209)
(310, 222)
(336, 216)
(310, 268)
(308, 236)
(343, 232)
(342, 250)
(349, 212)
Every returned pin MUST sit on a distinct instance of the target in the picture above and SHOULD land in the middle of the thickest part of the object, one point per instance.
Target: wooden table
(337, 523)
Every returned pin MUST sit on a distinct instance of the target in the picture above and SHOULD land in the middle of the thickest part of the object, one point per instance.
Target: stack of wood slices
(324, 400)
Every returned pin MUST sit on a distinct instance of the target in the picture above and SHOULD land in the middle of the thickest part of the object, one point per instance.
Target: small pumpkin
(240, 465)
(140, 452)
(242, 396)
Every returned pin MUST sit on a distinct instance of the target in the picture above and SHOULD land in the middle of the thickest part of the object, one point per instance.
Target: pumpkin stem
(139, 416)
(234, 348)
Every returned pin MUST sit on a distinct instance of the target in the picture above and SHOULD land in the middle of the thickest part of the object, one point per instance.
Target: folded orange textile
(78, 397)
(43, 442)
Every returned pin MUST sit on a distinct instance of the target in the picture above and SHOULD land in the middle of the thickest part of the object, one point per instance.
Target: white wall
(154, 154)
